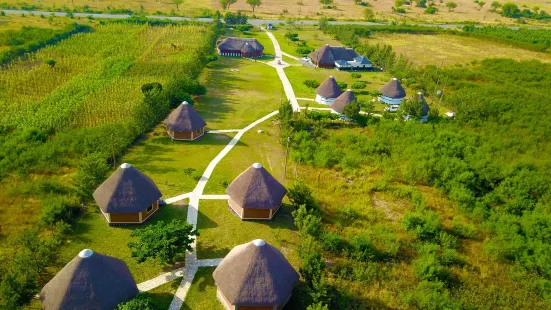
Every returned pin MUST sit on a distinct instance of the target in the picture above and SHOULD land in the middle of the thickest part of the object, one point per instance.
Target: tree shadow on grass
(210, 251)
(203, 222)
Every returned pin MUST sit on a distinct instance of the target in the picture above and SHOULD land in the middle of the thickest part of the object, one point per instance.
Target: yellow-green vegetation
(174, 166)
(202, 293)
(15, 22)
(240, 91)
(220, 230)
(452, 49)
(311, 36)
(93, 232)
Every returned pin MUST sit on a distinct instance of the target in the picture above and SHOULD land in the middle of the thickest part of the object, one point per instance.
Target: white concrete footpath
(192, 264)
(279, 65)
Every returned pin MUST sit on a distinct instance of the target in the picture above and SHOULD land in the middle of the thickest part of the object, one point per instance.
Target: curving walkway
(192, 263)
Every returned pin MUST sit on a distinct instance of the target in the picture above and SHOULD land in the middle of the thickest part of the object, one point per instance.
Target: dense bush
(359, 85)
(243, 28)
(301, 195)
(356, 75)
(141, 302)
(303, 50)
(342, 85)
(57, 209)
(311, 83)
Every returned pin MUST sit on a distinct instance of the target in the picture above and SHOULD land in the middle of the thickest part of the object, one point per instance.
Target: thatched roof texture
(126, 191)
(184, 118)
(346, 98)
(255, 274)
(89, 281)
(329, 88)
(393, 89)
(256, 188)
(327, 55)
(236, 44)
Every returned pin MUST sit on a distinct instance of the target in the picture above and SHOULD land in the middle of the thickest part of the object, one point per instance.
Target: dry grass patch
(449, 49)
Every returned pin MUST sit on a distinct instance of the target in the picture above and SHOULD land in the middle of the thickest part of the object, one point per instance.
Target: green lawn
(164, 294)
(314, 38)
(202, 293)
(221, 231)
(94, 233)
(255, 32)
(237, 98)
(165, 160)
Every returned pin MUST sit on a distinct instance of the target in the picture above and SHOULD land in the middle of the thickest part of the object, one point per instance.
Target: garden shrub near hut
(342, 85)
(359, 85)
(303, 50)
(311, 83)
(142, 301)
(58, 209)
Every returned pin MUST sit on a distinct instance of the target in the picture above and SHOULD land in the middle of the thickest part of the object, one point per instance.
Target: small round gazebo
(184, 123)
(255, 194)
(392, 92)
(89, 281)
(127, 197)
(328, 91)
(254, 275)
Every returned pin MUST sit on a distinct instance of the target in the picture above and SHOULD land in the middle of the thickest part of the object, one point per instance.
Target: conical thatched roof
(184, 118)
(89, 281)
(255, 274)
(424, 105)
(393, 89)
(247, 48)
(327, 55)
(256, 188)
(346, 98)
(126, 191)
(329, 88)
(235, 44)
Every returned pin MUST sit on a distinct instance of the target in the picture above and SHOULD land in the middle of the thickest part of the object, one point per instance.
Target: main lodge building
(240, 47)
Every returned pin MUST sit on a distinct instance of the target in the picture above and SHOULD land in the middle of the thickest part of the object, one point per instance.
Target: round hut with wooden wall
(184, 123)
(255, 194)
(392, 92)
(89, 281)
(342, 101)
(255, 276)
(328, 91)
(127, 197)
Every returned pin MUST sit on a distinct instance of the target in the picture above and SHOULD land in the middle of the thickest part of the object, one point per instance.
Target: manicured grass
(450, 49)
(165, 161)
(221, 231)
(163, 295)
(92, 232)
(311, 34)
(202, 293)
(237, 98)
(260, 36)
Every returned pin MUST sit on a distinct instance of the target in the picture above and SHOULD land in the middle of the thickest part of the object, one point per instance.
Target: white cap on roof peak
(259, 242)
(395, 79)
(125, 165)
(257, 165)
(86, 253)
(349, 89)
(331, 77)
(185, 102)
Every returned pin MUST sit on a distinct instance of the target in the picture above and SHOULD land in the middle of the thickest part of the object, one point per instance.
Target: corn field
(97, 77)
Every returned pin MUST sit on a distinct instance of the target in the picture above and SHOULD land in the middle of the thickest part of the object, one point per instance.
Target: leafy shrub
(342, 85)
(300, 194)
(57, 209)
(91, 171)
(464, 230)
(400, 10)
(356, 75)
(303, 50)
(142, 301)
(359, 85)
(147, 87)
(362, 248)
(431, 10)
(431, 296)
(311, 83)
(366, 273)
(425, 225)
(307, 222)
(50, 62)
(427, 267)
(332, 242)
(244, 28)
(349, 213)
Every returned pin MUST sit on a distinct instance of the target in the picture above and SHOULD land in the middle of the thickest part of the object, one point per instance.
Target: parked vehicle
(392, 108)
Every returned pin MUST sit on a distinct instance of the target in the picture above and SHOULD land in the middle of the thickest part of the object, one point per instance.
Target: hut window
(149, 209)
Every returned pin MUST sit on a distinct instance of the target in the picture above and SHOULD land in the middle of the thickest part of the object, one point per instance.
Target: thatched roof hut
(127, 196)
(328, 91)
(326, 55)
(184, 123)
(393, 89)
(346, 98)
(255, 194)
(89, 281)
(255, 274)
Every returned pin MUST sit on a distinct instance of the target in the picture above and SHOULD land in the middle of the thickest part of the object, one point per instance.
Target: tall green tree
(227, 3)
(162, 241)
(254, 3)
(177, 3)
(325, 3)
(451, 6)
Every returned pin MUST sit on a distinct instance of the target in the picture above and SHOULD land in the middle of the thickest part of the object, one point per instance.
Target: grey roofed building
(393, 89)
(329, 88)
(255, 274)
(362, 60)
(89, 281)
(346, 98)
(127, 190)
(256, 188)
(234, 45)
(184, 118)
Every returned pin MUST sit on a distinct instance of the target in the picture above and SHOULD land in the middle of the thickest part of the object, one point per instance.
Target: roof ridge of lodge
(127, 190)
